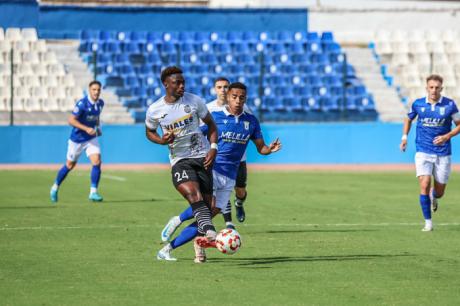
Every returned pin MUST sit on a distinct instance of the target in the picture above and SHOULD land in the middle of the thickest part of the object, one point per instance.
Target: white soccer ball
(228, 241)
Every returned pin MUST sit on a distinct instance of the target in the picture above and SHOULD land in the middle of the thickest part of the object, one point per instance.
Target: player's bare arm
(73, 121)
(263, 149)
(406, 130)
(212, 137)
(153, 136)
(441, 139)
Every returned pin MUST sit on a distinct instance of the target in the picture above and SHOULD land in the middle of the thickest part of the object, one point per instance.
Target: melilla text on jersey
(433, 122)
(234, 137)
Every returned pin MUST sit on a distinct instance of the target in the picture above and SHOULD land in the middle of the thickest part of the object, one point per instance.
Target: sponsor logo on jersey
(433, 122)
(92, 118)
(179, 123)
(246, 125)
(442, 111)
(235, 137)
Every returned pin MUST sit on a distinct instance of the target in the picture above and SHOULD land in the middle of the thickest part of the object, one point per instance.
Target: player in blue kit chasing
(435, 115)
(85, 122)
(235, 129)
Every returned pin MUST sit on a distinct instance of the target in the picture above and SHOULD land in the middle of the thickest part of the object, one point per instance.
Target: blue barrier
(61, 22)
(329, 143)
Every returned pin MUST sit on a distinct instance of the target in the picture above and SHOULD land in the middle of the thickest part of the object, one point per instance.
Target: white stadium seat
(50, 80)
(50, 104)
(418, 47)
(29, 34)
(21, 46)
(13, 34)
(416, 36)
(400, 47)
(2, 34)
(50, 57)
(21, 92)
(5, 46)
(31, 57)
(68, 80)
(32, 104)
(31, 81)
(40, 70)
(56, 70)
(39, 46)
(25, 69)
(40, 92)
(57, 92)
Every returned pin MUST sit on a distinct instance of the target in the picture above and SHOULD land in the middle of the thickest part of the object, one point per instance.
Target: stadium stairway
(67, 52)
(387, 102)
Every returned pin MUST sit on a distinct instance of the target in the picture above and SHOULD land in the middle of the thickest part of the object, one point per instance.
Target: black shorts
(192, 169)
(242, 175)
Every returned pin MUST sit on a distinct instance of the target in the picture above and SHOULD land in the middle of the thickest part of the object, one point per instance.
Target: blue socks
(186, 235)
(95, 176)
(425, 203)
(186, 214)
(62, 174)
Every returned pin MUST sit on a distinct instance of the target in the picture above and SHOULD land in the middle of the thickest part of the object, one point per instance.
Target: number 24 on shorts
(180, 177)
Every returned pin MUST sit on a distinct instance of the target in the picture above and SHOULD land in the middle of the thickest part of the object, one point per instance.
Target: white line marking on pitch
(6, 228)
(114, 177)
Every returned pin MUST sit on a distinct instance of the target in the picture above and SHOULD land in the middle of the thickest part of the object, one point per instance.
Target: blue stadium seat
(107, 36)
(245, 58)
(240, 47)
(222, 47)
(234, 36)
(329, 104)
(208, 58)
(170, 37)
(332, 80)
(89, 35)
(327, 37)
(138, 36)
(186, 37)
(284, 36)
(154, 37)
(313, 47)
(153, 58)
(111, 47)
(250, 37)
(292, 104)
(332, 47)
(313, 37)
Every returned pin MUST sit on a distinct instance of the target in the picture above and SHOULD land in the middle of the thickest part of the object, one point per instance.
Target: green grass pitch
(310, 238)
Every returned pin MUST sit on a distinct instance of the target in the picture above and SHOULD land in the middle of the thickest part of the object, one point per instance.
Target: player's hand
(98, 132)
(91, 131)
(168, 137)
(275, 146)
(403, 145)
(209, 159)
(440, 140)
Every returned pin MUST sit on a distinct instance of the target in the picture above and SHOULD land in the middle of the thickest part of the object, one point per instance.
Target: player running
(85, 122)
(433, 158)
(236, 127)
(178, 114)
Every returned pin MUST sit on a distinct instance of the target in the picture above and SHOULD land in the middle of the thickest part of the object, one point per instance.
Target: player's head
(221, 87)
(173, 81)
(236, 97)
(94, 90)
(434, 87)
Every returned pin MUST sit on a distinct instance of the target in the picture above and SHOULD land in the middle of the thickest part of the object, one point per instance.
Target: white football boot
(165, 253)
(170, 228)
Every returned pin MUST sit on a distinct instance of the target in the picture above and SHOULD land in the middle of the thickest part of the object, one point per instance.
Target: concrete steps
(67, 53)
(387, 102)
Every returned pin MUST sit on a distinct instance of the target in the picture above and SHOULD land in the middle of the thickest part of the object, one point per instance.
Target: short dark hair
(168, 71)
(94, 82)
(238, 85)
(221, 78)
(434, 77)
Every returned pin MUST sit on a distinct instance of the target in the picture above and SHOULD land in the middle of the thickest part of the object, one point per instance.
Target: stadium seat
(13, 34)
(29, 34)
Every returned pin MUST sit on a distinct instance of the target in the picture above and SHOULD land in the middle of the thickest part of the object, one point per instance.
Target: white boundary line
(32, 228)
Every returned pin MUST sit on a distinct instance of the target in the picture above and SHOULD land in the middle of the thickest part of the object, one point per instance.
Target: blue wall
(67, 21)
(302, 143)
(18, 14)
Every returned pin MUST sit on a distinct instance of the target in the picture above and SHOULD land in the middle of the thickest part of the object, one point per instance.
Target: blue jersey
(433, 120)
(87, 113)
(234, 135)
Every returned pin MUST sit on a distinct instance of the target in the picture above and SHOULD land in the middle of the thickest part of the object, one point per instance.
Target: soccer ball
(228, 241)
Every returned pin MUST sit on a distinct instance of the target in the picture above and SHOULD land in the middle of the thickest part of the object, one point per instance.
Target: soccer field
(310, 238)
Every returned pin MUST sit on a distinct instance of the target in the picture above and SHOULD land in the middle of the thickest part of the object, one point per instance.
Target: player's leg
(174, 223)
(442, 169)
(186, 235)
(73, 153)
(187, 182)
(240, 191)
(424, 165)
(93, 151)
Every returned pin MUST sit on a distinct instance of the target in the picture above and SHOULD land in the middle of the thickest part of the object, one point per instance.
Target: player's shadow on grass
(317, 231)
(28, 207)
(241, 261)
(142, 200)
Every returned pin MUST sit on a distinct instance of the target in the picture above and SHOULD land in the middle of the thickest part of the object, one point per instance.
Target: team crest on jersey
(442, 110)
(246, 125)
(225, 121)
(187, 109)
(422, 109)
